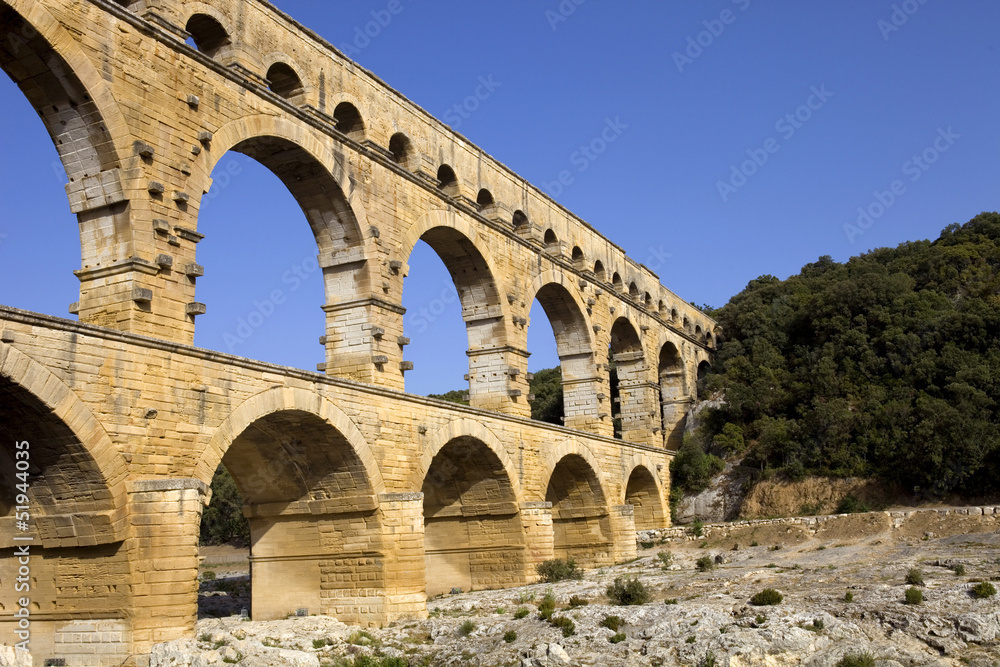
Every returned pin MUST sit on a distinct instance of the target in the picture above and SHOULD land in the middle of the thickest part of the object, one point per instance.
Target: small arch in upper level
(599, 272)
(347, 120)
(550, 237)
(673, 314)
(633, 290)
(616, 281)
(647, 300)
(209, 35)
(577, 254)
(485, 199)
(520, 220)
(687, 324)
(400, 147)
(284, 81)
(697, 329)
(447, 180)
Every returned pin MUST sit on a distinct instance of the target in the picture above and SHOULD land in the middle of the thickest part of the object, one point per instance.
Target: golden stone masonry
(363, 500)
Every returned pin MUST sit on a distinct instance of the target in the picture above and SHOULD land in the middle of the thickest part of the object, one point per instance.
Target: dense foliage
(884, 366)
(222, 522)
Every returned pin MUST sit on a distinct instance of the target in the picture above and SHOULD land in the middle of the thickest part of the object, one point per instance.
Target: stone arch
(581, 523)
(465, 427)
(401, 148)
(285, 76)
(84, 447)
(473, 536)
(627, 358)
(348, 120)
(318, 180)
(468, 259)
(287, 399)
(674, 399)
(644, 492)
(560, 300)
(212, 32)
(81, 115)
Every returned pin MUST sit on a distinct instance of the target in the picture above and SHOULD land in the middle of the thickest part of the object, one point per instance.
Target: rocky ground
(701, 618)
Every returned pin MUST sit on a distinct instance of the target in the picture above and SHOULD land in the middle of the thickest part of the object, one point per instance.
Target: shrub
(617, 638)
(983, 589)
(958, 569)
(547, 607)
(704, 564)
(558, 569)
(628, 591)
(647, 545)
(670, 601)
(510, 636)
(565, 624)
(466, 628)
(755, 543)
(319, 643)
(865, 659)
(666, 559)
(698, 527)
(848, 596)
(521, 613)
(851, 505)
(915, 577)
(768, 596)
(577, 601)
(208, 575)
(708, 660)
(691, 639)
(914, 596)
(612, 622)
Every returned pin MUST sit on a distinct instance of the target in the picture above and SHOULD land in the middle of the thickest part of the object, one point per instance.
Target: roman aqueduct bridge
(363, 499)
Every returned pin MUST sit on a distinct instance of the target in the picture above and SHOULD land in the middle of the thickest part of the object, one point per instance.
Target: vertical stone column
(364, 341)
(584, 400)
(498, 380)
(536, 519)
(623, 532)
(402, 517)
(640, 405)
(163, 550)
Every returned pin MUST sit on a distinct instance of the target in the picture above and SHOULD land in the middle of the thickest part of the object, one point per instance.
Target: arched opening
(599, 272)
(209, 36)
(347, 120)
(434, 298)
(577, 254)
(264, 300)
(697, 330)
(674, 400)
(616, 282)
(569, 384)
(286, 83)
(687, 324)
(643, 494)
(550, 238)
(581, 525)
(520, 221)
(647, 300)
(626, 361)
(447, 180)
(484, 199)
(472, 531)
(400, 147)
(673, 314)
(633, 290)
(661, 308)
(313, 518)
(79, 567)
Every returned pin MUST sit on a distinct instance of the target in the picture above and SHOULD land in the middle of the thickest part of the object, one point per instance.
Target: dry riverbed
(695, 617)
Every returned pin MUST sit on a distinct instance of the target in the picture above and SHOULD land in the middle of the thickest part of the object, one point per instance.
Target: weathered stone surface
(362, 499)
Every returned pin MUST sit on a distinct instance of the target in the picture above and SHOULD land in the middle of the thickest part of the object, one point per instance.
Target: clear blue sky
(883, 90)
